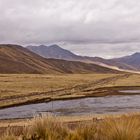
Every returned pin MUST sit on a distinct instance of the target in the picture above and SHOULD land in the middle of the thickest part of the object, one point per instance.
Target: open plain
(17, 89)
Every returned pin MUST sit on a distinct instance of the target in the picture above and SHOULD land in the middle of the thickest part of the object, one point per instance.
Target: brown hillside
(16, 59)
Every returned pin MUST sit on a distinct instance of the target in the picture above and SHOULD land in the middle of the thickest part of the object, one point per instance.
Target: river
(84, 106)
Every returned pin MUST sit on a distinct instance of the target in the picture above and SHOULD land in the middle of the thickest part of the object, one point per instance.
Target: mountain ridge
(132, 60)
(60, 53)
(17, 59)
(53, 51)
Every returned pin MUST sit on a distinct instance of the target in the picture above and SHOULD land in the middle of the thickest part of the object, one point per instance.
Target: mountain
(54, 51)
(16, 59)
(131, 60)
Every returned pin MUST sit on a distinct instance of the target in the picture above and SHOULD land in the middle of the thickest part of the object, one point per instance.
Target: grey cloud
(75, 22)
(105, 50)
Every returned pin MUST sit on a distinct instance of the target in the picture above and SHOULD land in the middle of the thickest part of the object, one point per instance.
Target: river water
(84, 106)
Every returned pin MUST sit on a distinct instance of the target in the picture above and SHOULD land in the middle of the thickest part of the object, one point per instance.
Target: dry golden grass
(14, 84)
(29, 88)
(126, 127)
(47, 129)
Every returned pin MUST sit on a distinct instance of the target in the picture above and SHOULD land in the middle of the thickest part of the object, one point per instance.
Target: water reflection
(101, 105)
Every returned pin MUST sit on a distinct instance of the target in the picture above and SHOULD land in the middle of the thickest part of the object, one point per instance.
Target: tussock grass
(10, 137)
(86, 131)
(47, 128)
(126, 127)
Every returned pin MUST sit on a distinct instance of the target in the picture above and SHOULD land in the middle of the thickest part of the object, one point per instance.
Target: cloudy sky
(108, 28)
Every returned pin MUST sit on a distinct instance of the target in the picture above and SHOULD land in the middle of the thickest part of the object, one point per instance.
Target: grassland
(126, 127)
(16, 89)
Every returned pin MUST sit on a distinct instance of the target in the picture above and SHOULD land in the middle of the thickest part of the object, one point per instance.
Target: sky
(106, 28)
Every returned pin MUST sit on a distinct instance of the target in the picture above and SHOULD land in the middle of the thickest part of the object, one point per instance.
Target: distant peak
(55, 46)
(137, 53)
(42, 46)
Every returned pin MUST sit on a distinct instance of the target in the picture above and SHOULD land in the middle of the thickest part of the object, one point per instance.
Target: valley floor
(18, 89)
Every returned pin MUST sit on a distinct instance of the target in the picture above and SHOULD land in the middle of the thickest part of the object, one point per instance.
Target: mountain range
(131, 62)
(17, 59)
(53, 51)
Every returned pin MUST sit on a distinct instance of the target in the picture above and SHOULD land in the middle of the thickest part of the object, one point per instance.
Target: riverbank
(124, 126)
(21, 89)
(99, 92)
(84, 106)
